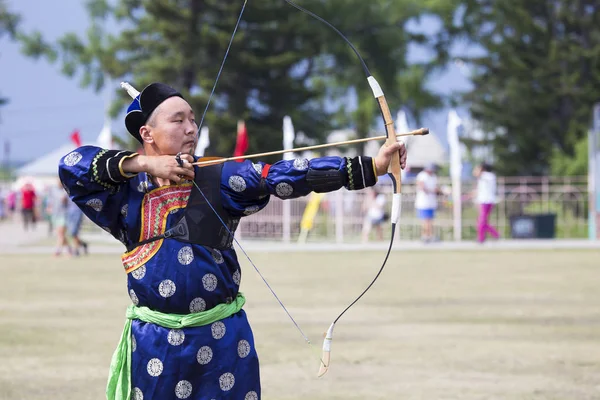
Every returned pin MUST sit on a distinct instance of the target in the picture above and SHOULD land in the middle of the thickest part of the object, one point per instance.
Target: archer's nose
(190, 129)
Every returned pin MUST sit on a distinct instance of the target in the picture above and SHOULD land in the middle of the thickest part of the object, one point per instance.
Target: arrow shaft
(418, 132)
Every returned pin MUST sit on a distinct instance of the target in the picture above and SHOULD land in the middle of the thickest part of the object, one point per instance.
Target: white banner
(203, 142)
(594, 175)
(454, 122)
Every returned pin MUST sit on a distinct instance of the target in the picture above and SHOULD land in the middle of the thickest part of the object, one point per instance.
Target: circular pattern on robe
(155, 367)
(204, 355)
(243, 348)
(139, 273)
(134, 298)
(183, 389)
(209, 281)
(175, 337)
(251, 210)
(301, 164)
(217, 256)
(226, 381)
(197, 305)
(237, 183)
(133, 343)
(167, 288)
(137, 394)
(185, 255)
(251, 396)
(258, 168)
(237, 277)
(124, 210)
(95, 204)
(72, 158)
(218, 330)
(284, 189)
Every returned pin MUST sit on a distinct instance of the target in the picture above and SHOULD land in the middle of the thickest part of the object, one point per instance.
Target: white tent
(46, 165)
(43, 171)
(424, 150)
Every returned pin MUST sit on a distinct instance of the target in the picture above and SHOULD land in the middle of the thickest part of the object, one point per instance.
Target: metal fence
(342, 213)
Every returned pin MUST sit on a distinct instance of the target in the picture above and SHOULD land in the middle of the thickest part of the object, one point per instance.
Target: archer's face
(173, 127)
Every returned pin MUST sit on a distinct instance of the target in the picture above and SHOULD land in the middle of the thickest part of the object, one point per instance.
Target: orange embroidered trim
(156, 207)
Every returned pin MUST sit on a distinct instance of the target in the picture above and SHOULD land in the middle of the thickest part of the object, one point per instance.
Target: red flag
(241, 144)
(76, 138)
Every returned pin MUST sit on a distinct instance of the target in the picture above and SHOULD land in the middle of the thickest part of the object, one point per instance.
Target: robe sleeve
(95, 181)
(247, 186)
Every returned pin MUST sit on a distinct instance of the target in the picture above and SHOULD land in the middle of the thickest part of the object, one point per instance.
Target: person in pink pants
(486, 197)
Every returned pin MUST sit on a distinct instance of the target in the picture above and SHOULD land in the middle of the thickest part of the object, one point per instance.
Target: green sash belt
(119, 382)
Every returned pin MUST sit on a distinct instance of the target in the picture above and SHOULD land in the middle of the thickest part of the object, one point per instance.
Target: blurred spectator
(3, 211)
(486, 197)
(45, 210)
(74, 220)
(11, 203)
(28, 199)
(58, 203)
(426, 200)
(376, 214)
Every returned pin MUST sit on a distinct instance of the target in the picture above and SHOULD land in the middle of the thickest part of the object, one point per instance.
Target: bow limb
(394, 169)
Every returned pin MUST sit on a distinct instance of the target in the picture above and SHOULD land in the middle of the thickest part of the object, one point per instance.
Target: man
(74, 220)
(58, 202)
(426, 200)
(28, 200)
(180, 260)
(375, 216)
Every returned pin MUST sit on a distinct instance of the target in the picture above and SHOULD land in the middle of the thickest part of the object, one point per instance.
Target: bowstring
(306, 339)
(368, 74)
(212, 92)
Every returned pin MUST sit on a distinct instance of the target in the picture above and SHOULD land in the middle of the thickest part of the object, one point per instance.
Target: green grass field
(437, 325)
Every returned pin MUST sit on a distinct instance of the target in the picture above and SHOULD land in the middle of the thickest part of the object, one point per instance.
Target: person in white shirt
(376, 214)
(426, 200)
(486, 197)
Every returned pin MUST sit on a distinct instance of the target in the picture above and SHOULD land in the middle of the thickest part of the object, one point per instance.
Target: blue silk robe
(217, 361)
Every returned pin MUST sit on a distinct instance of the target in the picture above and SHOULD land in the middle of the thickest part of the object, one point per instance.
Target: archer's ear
(146, 134)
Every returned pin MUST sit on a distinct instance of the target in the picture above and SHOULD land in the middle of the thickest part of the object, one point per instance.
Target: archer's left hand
(383, 158)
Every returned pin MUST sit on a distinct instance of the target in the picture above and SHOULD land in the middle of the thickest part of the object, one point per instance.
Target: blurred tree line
(534, 75)
(282, 62)
(8, 26)
(535, 80)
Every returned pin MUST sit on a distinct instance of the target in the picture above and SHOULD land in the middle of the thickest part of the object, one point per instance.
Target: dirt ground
(439, 325)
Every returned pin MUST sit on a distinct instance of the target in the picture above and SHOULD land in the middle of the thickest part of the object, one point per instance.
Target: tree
(281, 63)
(538, 78)
(8, 26)
(576, 165)
(9, 21)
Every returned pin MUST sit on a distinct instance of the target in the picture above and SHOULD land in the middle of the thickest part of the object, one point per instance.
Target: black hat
(144, 103)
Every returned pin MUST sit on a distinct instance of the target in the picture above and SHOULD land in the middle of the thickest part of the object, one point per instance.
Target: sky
(45, 106)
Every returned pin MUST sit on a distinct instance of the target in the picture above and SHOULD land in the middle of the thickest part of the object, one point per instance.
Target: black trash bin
(533, 226)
